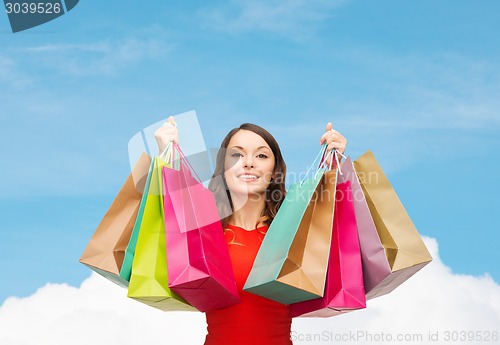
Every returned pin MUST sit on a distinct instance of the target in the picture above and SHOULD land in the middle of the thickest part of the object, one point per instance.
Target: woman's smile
(248, 177)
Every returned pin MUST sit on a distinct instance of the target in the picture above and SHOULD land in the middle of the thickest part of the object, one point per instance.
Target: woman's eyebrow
(241, 148)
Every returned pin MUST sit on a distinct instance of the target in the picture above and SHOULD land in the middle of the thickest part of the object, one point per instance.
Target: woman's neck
(248, 210)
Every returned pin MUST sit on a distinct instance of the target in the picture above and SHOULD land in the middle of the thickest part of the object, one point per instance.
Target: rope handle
(183, 160)
(319, 168)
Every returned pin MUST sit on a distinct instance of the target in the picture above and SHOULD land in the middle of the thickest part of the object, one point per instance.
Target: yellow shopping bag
(149, 279)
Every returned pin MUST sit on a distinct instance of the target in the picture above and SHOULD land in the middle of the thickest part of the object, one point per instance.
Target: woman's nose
(248, 163)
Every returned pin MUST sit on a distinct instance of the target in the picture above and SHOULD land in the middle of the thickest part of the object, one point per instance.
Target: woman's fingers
(329, 126)
(324, 137)
(166, 133)
(333, 139)
(338, 146)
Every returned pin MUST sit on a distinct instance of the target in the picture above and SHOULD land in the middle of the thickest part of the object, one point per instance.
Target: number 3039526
(32, 7)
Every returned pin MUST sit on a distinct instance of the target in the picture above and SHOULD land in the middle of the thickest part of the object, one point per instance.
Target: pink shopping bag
(199, 265)
(344, 289)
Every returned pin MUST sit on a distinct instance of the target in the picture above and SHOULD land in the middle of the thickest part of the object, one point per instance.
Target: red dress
(256, 320)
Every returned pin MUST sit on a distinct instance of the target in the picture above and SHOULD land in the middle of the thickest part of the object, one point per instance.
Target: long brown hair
(275, 192)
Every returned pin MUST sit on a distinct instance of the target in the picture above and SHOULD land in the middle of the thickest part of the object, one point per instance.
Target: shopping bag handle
(183, 160)
(320, 166)
(336, 154)
(169, 155)
(167, 152)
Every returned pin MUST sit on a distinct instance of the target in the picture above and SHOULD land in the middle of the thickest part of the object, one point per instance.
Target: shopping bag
(375, 265)
(199, 265)
(404, 248)
(291, 263)
(149, 278)
(344, 289)
(126, 268)
(106, 249)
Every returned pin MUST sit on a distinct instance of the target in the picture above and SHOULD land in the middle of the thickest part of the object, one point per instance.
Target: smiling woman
(250, 164)
(250, 173)
(254, 176)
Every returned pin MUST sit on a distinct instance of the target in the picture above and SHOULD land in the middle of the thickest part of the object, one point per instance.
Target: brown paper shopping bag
(292, 261)
(307, 261)
(106, 249)
(405, 251)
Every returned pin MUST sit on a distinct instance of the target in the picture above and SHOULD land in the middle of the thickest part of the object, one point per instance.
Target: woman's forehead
(247, 140)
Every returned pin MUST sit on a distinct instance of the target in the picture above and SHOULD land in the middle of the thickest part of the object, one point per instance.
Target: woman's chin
(248, 193)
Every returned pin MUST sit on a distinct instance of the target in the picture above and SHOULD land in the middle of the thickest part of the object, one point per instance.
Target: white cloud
(296, 19)
(435, 300)
(106, 57)
(95, 313)
(59, 48)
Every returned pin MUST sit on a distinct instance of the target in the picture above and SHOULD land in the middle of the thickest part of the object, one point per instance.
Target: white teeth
(248, 176)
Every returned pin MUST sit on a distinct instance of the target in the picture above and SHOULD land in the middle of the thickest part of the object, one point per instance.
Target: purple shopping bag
(375, 265)
(199, 265)
(344, 289)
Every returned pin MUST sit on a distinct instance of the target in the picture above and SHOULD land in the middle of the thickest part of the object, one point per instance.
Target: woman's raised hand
(333, 140)
(166, 133)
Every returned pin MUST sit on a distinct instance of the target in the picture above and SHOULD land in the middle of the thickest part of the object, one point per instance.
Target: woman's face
(249, 164)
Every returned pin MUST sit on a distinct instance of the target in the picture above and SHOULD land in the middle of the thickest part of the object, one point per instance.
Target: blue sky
(416, 82)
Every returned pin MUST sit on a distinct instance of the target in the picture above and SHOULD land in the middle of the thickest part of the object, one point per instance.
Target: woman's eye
(236, 155)
(261, 155)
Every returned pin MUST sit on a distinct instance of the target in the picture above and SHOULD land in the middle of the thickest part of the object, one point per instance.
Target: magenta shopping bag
(344, 289)
(199, 265)
(375, 265)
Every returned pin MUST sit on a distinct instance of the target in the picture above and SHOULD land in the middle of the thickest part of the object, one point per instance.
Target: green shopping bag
(126, 269)
(292, 261)
(149, 278)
